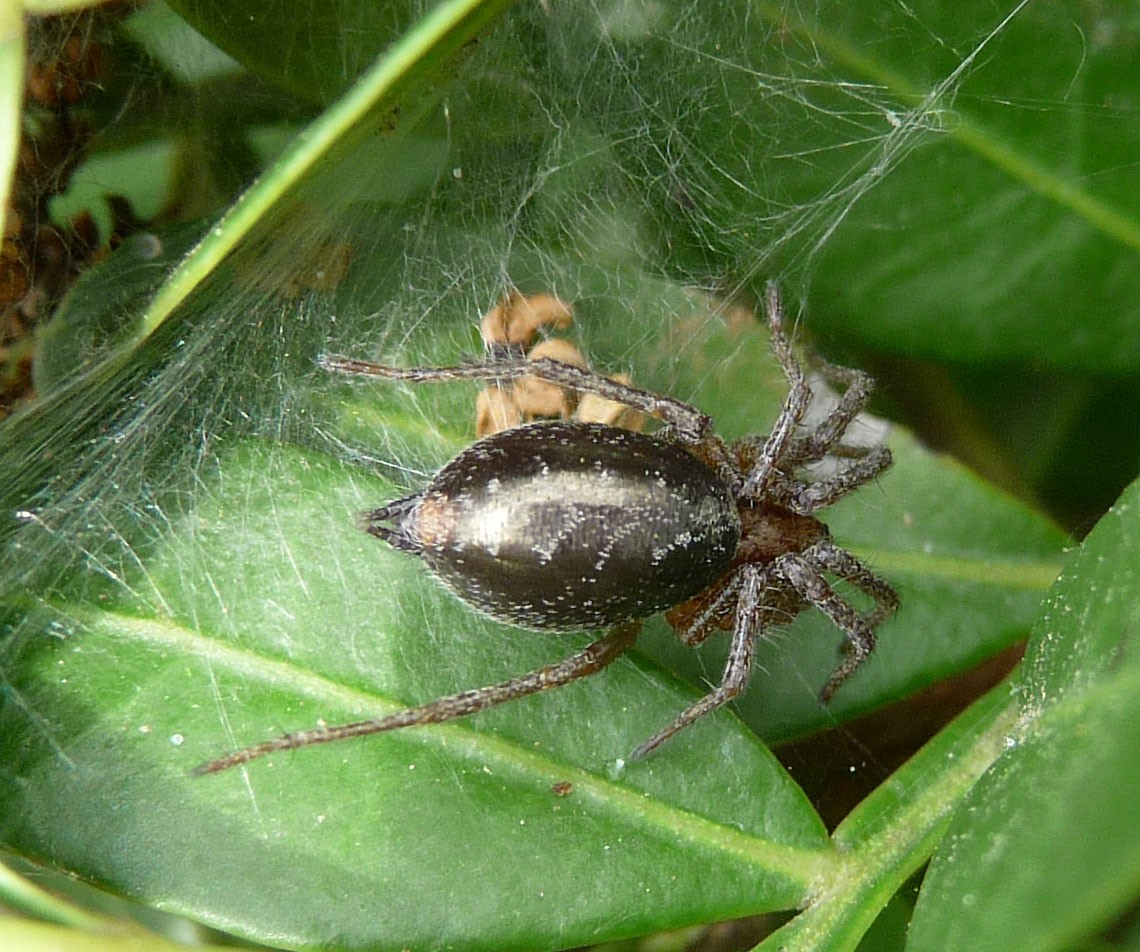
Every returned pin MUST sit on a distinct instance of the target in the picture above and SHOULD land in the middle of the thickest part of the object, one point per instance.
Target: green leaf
(887, 838)
(1043, 851)
(127, 705)
(261, 608)
(905, 160)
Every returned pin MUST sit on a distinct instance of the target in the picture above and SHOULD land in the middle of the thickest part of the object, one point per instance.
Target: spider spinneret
(571, 525)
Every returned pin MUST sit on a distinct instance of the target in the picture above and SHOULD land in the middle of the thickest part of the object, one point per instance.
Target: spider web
(650, 163)
(653, 163)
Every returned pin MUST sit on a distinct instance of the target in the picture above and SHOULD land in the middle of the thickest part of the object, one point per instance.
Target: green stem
(895, 830)
(413, 62)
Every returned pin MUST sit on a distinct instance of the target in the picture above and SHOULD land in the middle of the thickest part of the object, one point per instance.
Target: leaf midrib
(799, 865)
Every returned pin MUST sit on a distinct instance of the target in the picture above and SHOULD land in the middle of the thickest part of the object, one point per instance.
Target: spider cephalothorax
(571, 525)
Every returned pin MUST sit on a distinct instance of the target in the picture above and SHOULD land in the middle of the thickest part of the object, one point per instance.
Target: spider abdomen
(564, 526)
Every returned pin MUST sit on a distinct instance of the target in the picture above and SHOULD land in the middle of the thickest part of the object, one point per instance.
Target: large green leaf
(963, 221)
(261, 608)
(281, 613)
(1044, 849)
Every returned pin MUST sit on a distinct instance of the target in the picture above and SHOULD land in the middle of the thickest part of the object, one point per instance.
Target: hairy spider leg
(806, 498)
(591, 659)
(686, 421)
(795, 404)
(802, 572)
(845, 566)
(826, 435)
(783, 447)
(699, 629)
(738, 669)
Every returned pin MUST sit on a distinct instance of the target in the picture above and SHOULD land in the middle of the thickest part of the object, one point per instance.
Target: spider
(572, 525)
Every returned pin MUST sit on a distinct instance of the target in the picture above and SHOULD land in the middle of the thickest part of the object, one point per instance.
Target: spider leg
(589, 660)
(803, 571)
(844, 565)
(806, 498)
(689, 423)
(857, 391)
(795, 404)
(736, 672)
(702, 625)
